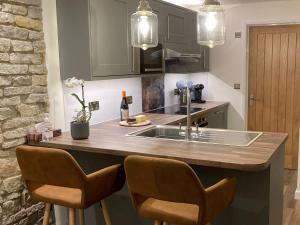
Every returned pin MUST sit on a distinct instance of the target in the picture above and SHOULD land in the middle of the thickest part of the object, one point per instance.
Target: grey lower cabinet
(217, 118)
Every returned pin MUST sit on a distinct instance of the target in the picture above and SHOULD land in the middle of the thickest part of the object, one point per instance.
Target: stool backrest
(163, 179)
(49, 166)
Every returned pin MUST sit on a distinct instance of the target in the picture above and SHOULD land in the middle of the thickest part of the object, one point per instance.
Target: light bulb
(144, 26)
(211, 21)
(211, 24)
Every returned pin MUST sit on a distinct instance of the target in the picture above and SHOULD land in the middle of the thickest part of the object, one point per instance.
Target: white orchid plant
(84, 115)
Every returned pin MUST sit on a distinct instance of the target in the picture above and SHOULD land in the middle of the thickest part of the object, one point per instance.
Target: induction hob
(174, 110)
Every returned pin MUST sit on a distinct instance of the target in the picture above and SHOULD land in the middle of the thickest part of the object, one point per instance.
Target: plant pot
(80, 130)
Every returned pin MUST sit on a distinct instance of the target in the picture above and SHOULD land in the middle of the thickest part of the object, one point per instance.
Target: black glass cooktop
(174, 109)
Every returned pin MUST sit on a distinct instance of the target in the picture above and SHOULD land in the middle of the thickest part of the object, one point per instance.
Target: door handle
(252, 99)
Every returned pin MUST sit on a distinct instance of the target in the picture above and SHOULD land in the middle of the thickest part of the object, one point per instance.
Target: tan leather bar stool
(169, 191)
(53, 176)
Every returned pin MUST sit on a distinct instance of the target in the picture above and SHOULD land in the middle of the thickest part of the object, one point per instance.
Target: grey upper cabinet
(111, 50)
(73, 38)
(95, 36)
(159, 9)
(95, 40)
(177, 32)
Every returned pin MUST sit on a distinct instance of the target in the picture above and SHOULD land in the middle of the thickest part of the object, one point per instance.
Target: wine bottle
(124, 107)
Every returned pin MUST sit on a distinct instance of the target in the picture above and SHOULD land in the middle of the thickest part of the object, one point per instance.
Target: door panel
(159, 9)
(274, 84)
(111, 49)
(177, 28)
(282, 82)
(260, 81)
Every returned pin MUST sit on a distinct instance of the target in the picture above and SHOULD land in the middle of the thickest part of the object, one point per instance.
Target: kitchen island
(258, 167)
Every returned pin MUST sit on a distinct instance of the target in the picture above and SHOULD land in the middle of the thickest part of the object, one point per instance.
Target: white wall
(229, 62)
(52, 61)
(109, 95)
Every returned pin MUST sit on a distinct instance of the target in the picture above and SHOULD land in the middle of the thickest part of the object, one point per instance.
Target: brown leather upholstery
(53, 176)
(170, 191)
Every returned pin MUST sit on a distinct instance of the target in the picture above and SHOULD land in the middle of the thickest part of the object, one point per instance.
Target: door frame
(246, 28)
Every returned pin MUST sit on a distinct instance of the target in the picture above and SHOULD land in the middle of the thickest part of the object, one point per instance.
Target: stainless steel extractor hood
(176, 62)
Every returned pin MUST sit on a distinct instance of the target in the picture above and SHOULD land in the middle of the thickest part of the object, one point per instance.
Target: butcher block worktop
(110, 138)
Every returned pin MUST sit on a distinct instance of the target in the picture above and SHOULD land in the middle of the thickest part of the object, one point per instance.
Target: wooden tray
(125, 124)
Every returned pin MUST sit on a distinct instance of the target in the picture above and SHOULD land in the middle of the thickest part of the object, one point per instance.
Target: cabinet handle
(153, 69)
(219, 112)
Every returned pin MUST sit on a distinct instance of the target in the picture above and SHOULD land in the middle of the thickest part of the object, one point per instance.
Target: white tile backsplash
(108, 93)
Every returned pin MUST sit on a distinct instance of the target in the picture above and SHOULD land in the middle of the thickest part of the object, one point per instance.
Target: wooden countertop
(109, 138)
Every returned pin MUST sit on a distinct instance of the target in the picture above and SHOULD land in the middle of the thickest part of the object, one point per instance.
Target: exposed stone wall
(23, 101)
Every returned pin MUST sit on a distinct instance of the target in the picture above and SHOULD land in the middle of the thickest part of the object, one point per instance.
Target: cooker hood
(177, 62)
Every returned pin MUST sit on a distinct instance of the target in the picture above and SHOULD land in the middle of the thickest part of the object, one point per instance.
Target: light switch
(238, 34)
(237, 86)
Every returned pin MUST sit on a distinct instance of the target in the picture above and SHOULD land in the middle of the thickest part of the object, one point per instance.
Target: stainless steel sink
(203, 135)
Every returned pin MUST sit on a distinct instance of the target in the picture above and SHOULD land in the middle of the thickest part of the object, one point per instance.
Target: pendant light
(144, 27)
(211, 24)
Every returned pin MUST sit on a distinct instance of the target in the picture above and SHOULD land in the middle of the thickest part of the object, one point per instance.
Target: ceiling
(196, 3)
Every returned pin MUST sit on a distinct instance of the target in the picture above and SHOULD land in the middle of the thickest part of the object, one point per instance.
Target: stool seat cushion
(171, 212)
(64, 196)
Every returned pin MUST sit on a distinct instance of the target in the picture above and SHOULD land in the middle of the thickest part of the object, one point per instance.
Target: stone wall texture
(23, 101)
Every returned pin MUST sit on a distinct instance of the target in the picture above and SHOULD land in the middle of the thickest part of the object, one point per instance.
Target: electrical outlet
(129, 99)
(94, 106)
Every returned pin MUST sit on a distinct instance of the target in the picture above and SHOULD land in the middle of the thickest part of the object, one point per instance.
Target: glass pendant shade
(211, 24)
(144, 27)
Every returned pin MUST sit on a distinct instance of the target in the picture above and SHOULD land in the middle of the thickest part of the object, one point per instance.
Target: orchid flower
(83, 115)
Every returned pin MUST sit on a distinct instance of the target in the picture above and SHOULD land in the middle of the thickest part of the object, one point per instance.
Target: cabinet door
(217, 119)
(111, 51)
(159, 9)
(193, 46)
(177, 31)
(74, 48)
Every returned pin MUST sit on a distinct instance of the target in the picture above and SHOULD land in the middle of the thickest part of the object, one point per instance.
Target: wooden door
(274, 84)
